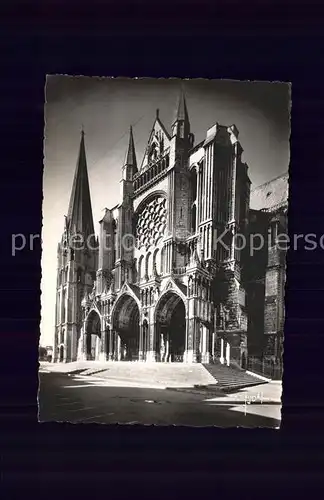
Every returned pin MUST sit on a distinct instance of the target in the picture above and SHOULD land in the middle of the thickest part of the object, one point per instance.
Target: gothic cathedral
(165, 281)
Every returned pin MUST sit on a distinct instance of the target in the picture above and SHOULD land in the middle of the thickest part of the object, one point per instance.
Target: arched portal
(93, 335)
(170, 328)
(125, 323)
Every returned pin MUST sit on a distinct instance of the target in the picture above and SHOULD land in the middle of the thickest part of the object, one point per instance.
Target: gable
(132, 290)
(158, 143)
(173, 285)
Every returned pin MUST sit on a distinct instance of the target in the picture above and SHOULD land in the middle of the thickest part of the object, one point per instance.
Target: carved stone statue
(194, 286)
(145, 332)
(190, 286)
(221, 317)
(162, 347)
(112, 282)
(226, 317)
(204, 293)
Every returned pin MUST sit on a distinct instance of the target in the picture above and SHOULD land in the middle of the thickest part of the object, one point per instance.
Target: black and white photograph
(164, 243)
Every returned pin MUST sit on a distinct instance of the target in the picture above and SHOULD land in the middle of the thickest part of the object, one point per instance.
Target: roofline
(113, 208)
(163, 128)
(157, 119)
(196, 147)
(268, 182)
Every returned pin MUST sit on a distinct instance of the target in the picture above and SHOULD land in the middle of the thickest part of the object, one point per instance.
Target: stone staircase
(203, 377)
(231, 378)
(171, 375)
(77, 367)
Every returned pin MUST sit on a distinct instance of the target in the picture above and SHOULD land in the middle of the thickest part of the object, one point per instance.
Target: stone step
(171, 375)
(166, 374)
(93, 371)
(231, 378)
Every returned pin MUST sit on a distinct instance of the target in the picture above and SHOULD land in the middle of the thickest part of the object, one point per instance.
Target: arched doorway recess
(61, 351)
(93, 335)
(125, 322)
(170, 320)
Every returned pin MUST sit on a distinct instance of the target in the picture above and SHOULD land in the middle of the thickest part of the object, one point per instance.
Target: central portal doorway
(171, 329)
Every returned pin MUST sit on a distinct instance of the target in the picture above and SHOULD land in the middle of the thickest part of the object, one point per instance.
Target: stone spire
(131, 156)
(182, 112)
(79, 218)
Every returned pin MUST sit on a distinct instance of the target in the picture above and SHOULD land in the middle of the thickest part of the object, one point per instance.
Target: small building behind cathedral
(172, 276)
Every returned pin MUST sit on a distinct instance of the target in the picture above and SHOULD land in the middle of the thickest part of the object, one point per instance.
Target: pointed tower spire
(130, 165)
(181, 112)
(79, 218)
(131, 155)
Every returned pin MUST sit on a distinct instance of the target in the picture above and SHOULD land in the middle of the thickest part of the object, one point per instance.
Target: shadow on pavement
(64, 398)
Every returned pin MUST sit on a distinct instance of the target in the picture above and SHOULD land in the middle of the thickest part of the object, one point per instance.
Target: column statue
(167, 348)
(226, 317)
(162, 348)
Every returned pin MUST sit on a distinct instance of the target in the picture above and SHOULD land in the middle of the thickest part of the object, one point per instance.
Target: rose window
(151, 223)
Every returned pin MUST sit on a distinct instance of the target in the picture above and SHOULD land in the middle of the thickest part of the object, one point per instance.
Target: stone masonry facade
(156, 284)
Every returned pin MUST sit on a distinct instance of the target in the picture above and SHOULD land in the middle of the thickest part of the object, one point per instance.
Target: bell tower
(76, 263)
(125, 244)
(179, 181)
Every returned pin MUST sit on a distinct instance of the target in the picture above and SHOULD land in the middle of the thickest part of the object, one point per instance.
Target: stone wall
(182, 205)
(271, 300)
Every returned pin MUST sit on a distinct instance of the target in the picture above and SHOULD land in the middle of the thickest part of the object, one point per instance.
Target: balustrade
(155, 169)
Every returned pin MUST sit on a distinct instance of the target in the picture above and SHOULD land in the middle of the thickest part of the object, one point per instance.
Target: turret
(125, 249)
(181, 123)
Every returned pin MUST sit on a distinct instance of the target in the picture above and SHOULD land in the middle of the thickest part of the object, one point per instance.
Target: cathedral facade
(165, 280)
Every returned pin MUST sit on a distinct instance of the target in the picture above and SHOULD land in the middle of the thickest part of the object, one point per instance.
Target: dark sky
(107, 107)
